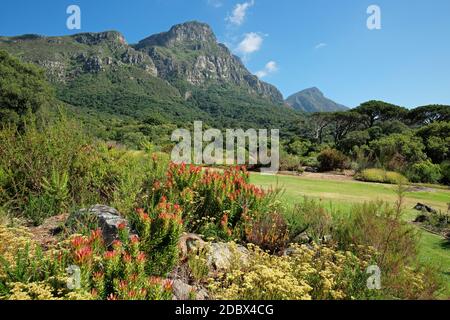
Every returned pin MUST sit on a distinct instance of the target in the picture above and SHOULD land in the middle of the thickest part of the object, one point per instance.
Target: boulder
(183, 291)
(423, 207)
(220, 255)
(421, 218)
(188, 243)
(108, 220)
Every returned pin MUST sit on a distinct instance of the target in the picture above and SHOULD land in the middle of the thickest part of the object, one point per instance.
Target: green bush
(47, 168)
(425, 171)
(332, 159)
(445, 170)
(381, 176)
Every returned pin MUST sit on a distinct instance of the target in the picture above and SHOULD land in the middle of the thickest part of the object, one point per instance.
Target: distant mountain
(313, 100)
(174, 77)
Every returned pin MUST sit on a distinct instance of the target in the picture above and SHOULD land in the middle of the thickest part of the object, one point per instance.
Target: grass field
(340, 195)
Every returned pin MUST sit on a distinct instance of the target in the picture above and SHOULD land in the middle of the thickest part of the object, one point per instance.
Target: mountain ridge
(313, 100)
(173, 77)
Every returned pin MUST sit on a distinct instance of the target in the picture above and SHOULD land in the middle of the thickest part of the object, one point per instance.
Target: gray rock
(422, 218)
(183, 291)
(302, 238)
(221, 255)
(108, 219)
(188, 243)
(423, 207)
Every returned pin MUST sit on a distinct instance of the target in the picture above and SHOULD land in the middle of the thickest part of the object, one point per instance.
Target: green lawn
(341, 194)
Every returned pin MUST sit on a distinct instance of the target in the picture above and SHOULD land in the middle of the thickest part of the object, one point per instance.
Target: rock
(184, 291)
(188, 243)
(108, 219)
(424, 207)
(302, 238)
(327, 238)
(422, 218)
(221, 255)
(311, 170)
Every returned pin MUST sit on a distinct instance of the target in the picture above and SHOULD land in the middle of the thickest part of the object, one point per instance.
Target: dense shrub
(309, 216)
(425, 171)
(160, 231)
(290, 163)
(381, 226)
(445, 170)
(396, 151)
(47, 168)
(381, 176)
(332, 159)
(308, 273)
(270, 232)
(119, 274)
(218, 204)
(23, 88)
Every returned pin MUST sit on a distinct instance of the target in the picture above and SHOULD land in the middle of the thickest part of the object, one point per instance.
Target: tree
(437, 140)
(379, 111)
(428, 114)
(342, 123)
(22, 87)
(399, 150)
(320, 121)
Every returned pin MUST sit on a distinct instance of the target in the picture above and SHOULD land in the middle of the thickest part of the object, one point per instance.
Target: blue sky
(293, 44)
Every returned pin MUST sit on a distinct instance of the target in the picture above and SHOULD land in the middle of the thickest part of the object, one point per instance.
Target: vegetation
(297, 249)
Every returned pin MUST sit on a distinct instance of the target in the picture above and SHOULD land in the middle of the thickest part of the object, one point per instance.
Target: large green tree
(379, 111)
(22, 87)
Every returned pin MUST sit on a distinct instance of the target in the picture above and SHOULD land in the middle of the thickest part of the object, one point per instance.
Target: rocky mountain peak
(92, 38)
(185, 34)
(313, 100)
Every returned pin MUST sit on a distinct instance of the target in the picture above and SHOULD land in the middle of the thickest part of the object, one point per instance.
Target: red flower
(122, 226)
(141, 257)
(78, 242)
(83, 255)
(112, 297)
(109, 255)
(168, 285)
(134, 239)
(127, 258)
(155, 281)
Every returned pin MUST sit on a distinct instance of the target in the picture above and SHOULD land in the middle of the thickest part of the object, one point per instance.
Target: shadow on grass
(445, 244)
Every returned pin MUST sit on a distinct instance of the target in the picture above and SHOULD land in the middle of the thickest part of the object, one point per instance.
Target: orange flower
(168, 285)
(83, 255)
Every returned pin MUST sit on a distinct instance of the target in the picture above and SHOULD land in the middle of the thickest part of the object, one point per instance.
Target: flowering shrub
(216, 204)
(119, 274)
(160, 231)
(309, 273)
(270, 232)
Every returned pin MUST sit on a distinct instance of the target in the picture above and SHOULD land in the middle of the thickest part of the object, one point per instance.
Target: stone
(302, 238)
(422, 218)
(108, 219)
(183, 291)
(424, 207)
(188, 243)
(220, 256)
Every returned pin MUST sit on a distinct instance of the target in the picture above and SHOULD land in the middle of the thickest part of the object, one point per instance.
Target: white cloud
(320, 46)
(239, 13)
(215, 3)
(270, 68)
(252, 42)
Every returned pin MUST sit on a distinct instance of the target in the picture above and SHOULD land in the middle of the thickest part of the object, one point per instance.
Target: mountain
(190, 52)
(313, 100)
(175, 77)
